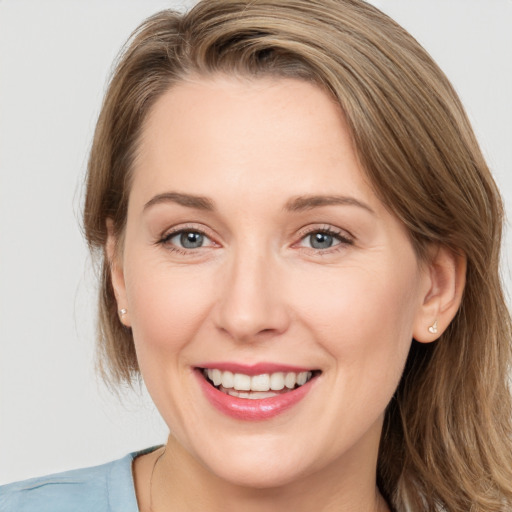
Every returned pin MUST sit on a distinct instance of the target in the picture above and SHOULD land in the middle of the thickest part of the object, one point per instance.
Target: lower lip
(248, 409)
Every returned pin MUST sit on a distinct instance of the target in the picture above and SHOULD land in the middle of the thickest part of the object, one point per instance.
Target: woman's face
(254, 246)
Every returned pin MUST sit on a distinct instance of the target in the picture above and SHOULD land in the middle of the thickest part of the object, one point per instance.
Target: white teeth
(290, 380)
(258, 383)
(215, 376)
(302, 378)
(241, 382)
(227, 379)
(254, 395)
(277, 381)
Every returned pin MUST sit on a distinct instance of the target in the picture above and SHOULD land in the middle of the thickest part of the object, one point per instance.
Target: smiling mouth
(256, 387)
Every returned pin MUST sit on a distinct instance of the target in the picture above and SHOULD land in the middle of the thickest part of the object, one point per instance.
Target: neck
(178, 478)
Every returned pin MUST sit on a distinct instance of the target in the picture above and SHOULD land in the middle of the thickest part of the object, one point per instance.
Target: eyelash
(165, 239)
(342, 237)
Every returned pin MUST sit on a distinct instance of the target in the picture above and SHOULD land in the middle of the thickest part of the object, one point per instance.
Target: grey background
(55, 57)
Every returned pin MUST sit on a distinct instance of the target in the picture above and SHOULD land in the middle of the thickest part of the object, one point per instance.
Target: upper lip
(254, 369)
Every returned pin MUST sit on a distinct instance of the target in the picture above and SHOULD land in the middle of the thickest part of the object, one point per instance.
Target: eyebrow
(296, 204)
(188, 200)
(301, 203)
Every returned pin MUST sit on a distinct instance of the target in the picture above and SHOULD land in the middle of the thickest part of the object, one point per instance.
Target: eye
(324, 239)
(187, 239)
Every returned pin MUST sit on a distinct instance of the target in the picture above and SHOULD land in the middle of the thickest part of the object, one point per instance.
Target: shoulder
(105, 488)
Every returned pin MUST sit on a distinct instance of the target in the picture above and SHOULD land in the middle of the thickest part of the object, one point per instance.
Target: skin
(257, 290)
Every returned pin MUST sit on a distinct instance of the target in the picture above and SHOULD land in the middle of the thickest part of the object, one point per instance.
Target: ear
(114, 259)
(445, 277)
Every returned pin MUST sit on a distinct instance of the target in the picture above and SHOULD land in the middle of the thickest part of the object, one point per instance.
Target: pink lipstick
(255, 409)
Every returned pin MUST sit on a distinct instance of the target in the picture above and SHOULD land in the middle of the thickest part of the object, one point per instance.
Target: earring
(123, 311)
(433, 328)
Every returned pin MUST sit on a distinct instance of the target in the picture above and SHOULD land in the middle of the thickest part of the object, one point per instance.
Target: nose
(252, 304)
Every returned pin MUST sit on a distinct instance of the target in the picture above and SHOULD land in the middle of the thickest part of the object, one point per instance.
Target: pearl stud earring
(433, 328)
(123, 311)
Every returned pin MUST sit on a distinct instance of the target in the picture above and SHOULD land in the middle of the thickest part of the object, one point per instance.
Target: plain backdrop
(55, 58)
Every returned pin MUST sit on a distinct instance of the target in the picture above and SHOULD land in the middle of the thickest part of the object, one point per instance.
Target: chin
(255, 462)
(259, 476)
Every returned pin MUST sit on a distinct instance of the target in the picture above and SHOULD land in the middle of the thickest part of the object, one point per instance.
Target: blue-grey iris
(191, 240)
(321, 240)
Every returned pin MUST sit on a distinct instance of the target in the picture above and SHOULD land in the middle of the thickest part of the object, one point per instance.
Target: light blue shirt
(105, 488)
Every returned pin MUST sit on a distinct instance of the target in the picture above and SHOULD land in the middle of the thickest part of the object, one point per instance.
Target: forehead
(256, 136)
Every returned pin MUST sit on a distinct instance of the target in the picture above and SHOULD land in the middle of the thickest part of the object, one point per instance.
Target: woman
(300, 244)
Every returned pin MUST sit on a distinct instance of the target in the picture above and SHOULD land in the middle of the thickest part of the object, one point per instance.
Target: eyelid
(344, 240)
(341, 234)
(187, 227)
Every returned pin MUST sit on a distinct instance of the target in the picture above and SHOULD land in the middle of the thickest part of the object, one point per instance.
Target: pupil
(191, 240)
(321, 241)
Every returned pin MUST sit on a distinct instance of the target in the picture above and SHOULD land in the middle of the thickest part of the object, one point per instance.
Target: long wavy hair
(446, 443)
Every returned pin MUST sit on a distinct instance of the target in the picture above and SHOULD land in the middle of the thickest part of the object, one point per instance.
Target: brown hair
(446, 442)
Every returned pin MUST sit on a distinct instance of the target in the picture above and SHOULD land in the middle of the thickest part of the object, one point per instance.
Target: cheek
(364, 319)
(167, 307)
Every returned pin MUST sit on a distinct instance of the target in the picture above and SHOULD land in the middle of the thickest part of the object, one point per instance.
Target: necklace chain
(151, 479)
